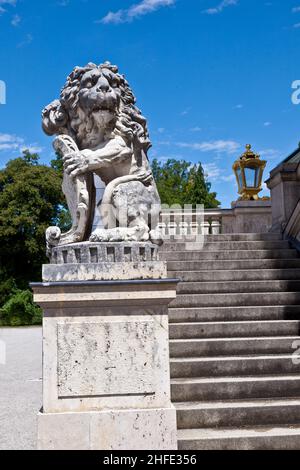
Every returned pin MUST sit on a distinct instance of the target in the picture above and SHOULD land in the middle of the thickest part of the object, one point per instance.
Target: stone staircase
(232, 332)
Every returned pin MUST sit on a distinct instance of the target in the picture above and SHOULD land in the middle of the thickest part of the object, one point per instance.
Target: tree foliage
(30, 200)
(19, 310)
(180, 182)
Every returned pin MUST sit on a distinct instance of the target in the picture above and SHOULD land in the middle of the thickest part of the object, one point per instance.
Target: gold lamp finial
(249, 153)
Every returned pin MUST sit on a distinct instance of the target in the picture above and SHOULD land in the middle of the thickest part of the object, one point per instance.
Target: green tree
(198, 189)
(20, 310)
(171, 180)
(180, 182)
(30, 200)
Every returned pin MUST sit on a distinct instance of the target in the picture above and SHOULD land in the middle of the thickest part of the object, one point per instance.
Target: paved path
(20, 386)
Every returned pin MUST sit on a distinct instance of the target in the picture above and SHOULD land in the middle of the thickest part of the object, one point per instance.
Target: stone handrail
(243, 217)
(191, 222)
(292, 229)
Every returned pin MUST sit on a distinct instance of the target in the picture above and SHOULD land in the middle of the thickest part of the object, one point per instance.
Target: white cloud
(10, 142)
(214, 173)
(267, 124)
(4, 3)
(17, 144)
(135, 11)
(185, 111)
(7, 138)
(164, 158)
(238, 106)
(32, 148)
(219, 8)
(229, 178)
(28, 40)
(296, 9)
(8, 2)
(297, 25)
(211, 171)
(16, 20)
(196, 129)
(161, 130)
(269, 154)
(218, 146)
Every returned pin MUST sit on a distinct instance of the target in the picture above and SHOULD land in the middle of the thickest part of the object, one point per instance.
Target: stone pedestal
(88, 261)
(248, 217)
(106, 378)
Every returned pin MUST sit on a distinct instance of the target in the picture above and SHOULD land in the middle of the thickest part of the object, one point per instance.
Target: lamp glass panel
(259, 173)
(240, 178)
(252, 176)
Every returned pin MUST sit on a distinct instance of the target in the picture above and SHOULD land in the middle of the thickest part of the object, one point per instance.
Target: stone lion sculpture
(100, 131)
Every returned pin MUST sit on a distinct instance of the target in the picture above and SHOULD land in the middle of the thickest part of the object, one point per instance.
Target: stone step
(227, 255)
(252, 438)
(238, 287)
(237, 413)
(228, 237)
(243, 237)
(230, 329)
(230, 388)
(240, 365)
(228, 264)
(229, 346)
(216, 314)
(233, 275)
(229, 245)
(236, 300)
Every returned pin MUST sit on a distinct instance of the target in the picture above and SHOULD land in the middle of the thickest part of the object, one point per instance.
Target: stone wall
(284, 184)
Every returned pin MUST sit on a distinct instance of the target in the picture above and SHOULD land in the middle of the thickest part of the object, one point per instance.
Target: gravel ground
(20, 386)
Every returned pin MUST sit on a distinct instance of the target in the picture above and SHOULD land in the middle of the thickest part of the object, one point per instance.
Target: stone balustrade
(243, 217)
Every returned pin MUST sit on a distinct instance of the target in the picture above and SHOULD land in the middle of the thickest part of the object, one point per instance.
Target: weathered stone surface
(100, 386)
(104, 261)
(118, 334)
(63, 431)
(55, 297)
(106, 373)
(248, 217)
(101, 132)
(132, 429)
(89, 352)
(104, 271)
(284, 184)
(87, 252)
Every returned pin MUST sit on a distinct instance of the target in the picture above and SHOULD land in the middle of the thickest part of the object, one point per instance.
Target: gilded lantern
(249, 170)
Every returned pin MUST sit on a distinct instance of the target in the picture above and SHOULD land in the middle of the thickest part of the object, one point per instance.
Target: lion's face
(99, 95)
(95, 102)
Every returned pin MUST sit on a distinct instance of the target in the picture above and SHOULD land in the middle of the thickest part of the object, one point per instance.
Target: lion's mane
(65, 116)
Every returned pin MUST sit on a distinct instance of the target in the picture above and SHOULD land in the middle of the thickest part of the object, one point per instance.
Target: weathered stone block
(95, 359)
(132, 429)
(105, 271)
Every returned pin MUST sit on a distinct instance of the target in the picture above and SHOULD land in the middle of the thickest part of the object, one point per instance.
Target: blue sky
(210, 75)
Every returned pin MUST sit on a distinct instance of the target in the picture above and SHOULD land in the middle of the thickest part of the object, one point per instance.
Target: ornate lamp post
(249, 170)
